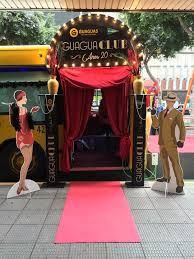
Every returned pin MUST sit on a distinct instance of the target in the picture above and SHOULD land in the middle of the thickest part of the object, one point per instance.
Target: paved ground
(166, 226)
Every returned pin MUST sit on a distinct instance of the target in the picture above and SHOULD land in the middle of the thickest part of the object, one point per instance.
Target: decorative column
(51, 140)
(138, 132)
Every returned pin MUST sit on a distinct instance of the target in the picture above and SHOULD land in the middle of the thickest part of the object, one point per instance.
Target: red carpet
(96, 212)
(153, 146)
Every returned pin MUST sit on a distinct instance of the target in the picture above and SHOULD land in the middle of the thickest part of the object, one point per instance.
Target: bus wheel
(11, 161)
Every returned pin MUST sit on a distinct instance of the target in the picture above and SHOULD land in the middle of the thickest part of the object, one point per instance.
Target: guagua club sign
(93, 43)
(99, 51)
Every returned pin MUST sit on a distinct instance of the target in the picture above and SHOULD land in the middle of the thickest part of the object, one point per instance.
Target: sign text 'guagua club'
(89, 42)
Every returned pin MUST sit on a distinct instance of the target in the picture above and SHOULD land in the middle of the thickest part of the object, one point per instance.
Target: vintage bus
(22, 67)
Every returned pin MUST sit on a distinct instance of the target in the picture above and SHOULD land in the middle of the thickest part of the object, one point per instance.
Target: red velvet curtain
(78, 86)
(77, 107)
(96, 77)
(117, 103)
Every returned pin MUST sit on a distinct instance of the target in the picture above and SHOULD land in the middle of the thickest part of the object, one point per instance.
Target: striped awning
(98, 5)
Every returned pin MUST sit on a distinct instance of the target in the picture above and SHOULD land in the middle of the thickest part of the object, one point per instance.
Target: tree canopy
(160, 33)
(20, 28)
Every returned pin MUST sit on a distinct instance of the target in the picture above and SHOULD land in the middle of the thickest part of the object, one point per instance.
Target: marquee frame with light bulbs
(137, 125)
(53, 57)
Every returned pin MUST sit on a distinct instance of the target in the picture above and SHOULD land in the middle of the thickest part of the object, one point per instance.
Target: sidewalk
(166, 226)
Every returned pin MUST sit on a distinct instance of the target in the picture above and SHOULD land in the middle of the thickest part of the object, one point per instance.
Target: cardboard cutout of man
(167, 120)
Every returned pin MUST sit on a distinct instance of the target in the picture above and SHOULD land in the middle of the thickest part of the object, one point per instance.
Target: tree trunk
(149, 72)
(185, 28)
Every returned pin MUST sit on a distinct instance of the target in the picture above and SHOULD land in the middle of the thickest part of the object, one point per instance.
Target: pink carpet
(96, 212)
(153, 146)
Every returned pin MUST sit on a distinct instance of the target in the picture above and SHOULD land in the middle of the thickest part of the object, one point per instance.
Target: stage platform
(186, 156)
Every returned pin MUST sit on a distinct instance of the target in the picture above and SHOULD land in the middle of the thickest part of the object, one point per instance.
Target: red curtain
(78, 86)
(77, 106)
(95, 77)
(117, 103)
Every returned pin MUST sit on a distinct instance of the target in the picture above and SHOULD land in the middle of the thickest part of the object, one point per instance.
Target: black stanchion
(51, 119)
(138, 141)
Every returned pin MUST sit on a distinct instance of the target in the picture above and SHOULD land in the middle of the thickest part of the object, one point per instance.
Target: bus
(22, 67)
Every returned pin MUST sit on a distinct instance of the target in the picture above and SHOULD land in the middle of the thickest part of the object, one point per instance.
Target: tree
(160, 33)
(23, 28)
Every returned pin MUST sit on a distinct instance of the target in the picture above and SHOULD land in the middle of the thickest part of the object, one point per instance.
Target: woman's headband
(18, 96)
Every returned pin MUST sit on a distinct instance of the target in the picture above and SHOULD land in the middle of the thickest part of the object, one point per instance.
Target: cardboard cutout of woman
(21, 120)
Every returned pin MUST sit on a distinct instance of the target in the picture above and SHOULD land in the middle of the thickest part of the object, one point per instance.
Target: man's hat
(171, 96)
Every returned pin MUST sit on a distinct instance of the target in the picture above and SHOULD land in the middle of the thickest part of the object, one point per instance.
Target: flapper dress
(24, 137)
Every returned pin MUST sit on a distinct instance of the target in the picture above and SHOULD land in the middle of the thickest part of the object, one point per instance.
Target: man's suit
(168, 142)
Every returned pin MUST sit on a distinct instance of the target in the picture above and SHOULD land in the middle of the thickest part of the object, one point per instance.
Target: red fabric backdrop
(78, 86)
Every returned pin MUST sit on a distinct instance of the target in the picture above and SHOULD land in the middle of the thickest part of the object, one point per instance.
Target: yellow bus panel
(33, 55)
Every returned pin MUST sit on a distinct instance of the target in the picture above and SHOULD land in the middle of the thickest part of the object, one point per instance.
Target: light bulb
(58, 33)
(53, 40)
(138, 45)
(129, 31)
(64, 26)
